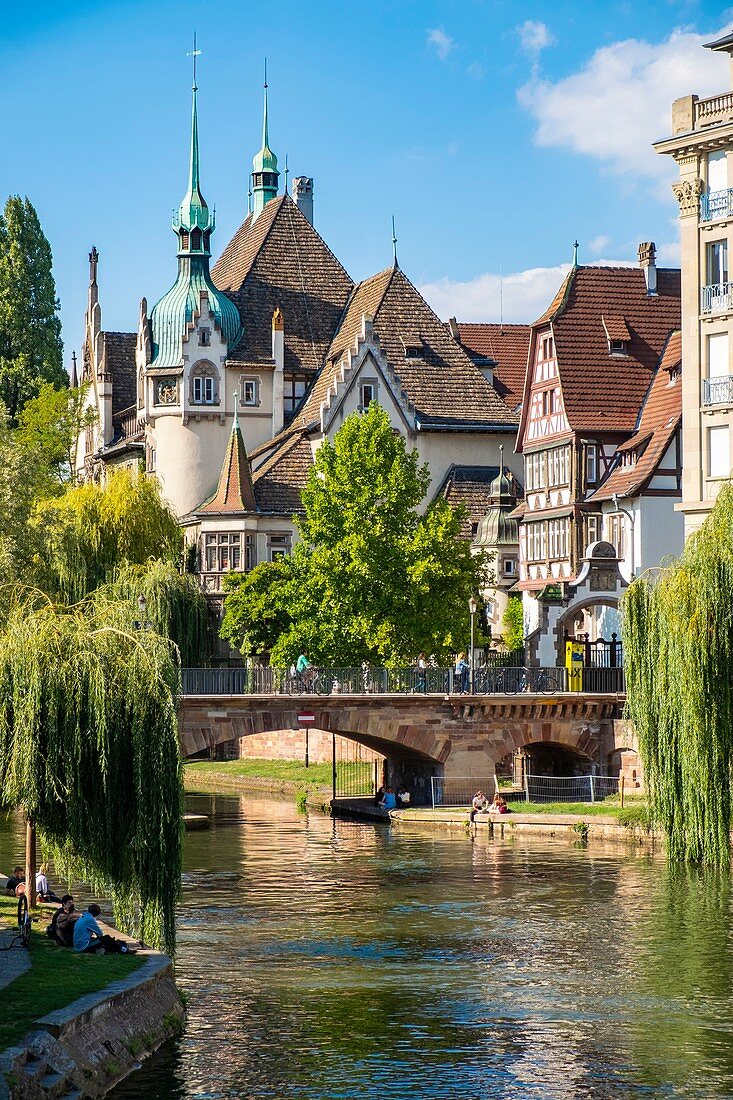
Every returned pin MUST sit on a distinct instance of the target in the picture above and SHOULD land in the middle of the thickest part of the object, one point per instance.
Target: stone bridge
(426, 735)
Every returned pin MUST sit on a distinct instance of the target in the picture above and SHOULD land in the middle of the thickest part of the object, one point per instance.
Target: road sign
(305, 718)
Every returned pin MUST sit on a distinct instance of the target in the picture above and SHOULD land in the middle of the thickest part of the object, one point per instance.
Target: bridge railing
(508, 680)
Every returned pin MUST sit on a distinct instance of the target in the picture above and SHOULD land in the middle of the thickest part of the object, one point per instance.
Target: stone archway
(565, 624)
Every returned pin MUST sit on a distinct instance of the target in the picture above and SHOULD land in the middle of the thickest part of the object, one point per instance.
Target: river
(329, 960)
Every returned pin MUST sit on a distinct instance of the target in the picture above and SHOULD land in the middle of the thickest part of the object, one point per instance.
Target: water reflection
(329, 960)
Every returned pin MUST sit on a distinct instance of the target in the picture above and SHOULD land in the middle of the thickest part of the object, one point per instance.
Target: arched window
(196, 240)
(140, 388)
(204, 387)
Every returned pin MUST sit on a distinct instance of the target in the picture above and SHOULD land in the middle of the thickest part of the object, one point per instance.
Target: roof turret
(265, 175)
(497, 527)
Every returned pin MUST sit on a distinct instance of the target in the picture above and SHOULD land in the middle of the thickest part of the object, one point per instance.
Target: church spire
(193, 224)
(264, 165)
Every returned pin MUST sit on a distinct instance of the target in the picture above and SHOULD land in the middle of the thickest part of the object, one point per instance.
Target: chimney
(453, 326)
(303, 196)
(648, 264)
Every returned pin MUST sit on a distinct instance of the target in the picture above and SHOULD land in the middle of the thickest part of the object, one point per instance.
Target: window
(278, 546)
(509, 567)
(616, 527)
(204, 390)
(718, 362)
(557, 537)
(140, 388)
(592, 529)
(618, 347)
(293, 393)
(222, 552)
(719, 452)
(536, 542)
(204, 337)
(547, 350)
(196, 240)
(368, 393)
(474, 530)
(250, 391)
(534, 471)
(717, 171)
(717, 257)
(250, 552)
(557, 464)
(150, 460)
(591, 463)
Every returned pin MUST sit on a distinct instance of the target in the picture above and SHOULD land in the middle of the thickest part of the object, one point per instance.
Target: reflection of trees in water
(683, 968)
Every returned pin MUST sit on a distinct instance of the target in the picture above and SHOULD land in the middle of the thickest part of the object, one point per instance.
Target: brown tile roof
(443, 384)
(235, 492)
(603, 392)
(278, 483)
(119, 362)
(280, 260)
(660, 418)
(507, 346)
(468, 487)
(616, 328)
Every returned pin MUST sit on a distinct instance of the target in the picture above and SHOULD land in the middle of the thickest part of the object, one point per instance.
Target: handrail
(716, 298)
(506, 680)
(718, 391)
(716, 204)
(707, 110)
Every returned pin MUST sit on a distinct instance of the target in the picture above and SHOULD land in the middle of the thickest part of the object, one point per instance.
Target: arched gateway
(421, 736)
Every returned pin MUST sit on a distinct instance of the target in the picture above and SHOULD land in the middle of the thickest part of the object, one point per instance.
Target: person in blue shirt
(389, 801)
(90, 939)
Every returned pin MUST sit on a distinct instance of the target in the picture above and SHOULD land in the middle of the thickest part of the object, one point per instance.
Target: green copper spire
(264, 166)
(193, 223)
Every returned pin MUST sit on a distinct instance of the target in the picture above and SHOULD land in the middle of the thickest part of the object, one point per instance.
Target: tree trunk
(30, 863)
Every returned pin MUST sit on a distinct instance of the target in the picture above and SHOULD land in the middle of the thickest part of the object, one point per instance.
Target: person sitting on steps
(479, 805)
(91, 940)
(61, 928)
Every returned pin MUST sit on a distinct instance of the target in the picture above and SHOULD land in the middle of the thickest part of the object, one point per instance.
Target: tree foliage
(678, 657)
(513, 623)
(89, 750)
(91, 530)
(49, 427)
(30, 328)
(374, 578)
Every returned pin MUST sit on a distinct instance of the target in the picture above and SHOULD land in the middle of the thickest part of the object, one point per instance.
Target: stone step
(52, 1080)
(34, 1067)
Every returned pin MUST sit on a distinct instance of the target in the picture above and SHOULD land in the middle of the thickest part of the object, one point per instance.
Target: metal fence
(501, 680)
(537, 788)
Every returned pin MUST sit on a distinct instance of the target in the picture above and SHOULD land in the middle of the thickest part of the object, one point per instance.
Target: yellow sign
(574, 654)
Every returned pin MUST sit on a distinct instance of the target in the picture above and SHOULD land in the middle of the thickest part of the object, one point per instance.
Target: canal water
(330, 960)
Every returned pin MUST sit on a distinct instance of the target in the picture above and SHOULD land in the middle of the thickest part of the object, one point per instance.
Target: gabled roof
(280, 260)
(279, 482)
(235, 492)
(659, 419)
(602, 392)
(118, 359)
(468, 487)
(443, 384)
(507, 347)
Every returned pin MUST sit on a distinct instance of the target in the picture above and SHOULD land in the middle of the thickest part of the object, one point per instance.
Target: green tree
(513, 623)
(374, 578)
(49, 427)
(30, 328)
(92, 530)
(678, 660)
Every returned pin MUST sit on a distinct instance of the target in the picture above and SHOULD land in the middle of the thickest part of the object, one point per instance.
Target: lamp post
(143, 623)
(473, 608)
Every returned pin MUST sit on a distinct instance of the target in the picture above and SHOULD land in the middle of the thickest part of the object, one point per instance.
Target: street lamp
(143, 623)
(473, 608)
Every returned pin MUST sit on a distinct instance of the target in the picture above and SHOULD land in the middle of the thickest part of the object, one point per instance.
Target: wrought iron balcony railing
(716, 204)
(716, 298)
(718, 391)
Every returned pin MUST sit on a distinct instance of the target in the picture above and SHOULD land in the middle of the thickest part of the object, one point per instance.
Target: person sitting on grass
(61, 928)
(15, 880)
(91, 940)
(43, 890)
(499, 806)
(479, 805)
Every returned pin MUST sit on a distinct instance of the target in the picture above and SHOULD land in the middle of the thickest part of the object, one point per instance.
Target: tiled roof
(443, 384)
(604, 392)
(660, 417)
(616, 328)
(280, 260)
(507, 346)
(235, 492)
(279, 482)
(119, 359)
(468, 487)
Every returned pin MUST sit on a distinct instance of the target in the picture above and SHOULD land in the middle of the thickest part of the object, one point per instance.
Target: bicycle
(301, 684)
(545, 682)
(24, 921)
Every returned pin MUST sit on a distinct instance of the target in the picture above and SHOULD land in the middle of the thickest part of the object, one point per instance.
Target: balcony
(716, 204)
(716, 109)
(716, 298)
(718, 391)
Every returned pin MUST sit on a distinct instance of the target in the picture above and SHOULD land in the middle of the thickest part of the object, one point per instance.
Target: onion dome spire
(193, 224)
(265, 175)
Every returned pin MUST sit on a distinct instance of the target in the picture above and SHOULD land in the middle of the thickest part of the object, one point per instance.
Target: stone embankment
(88, 1047)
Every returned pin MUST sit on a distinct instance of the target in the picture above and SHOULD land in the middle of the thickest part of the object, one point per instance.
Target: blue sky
(495, 132)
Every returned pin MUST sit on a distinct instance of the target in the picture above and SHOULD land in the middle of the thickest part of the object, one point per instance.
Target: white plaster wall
(442, 449)
(188, 459)
(661, 531)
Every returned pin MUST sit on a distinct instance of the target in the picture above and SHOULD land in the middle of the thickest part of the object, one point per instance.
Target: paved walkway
(14, 960)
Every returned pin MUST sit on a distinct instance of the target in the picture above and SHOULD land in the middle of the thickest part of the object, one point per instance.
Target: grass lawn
(56, 978)
(634, 812)
(286, 771)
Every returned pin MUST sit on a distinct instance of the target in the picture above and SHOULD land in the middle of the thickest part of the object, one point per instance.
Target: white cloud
(620, 101)
(599, 243)
(476, 70)
(526, 295)
(441, 42)
(534, 37)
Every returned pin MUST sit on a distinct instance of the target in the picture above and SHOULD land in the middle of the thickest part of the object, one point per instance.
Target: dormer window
(204, 384)
(413, 345)
(617, 335)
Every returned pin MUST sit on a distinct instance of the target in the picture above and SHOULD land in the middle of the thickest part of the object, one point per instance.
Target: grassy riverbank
(634, 811)
(56, 978)
(278, 776)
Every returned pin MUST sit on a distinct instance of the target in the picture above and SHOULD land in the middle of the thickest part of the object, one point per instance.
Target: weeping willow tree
(93, 529)
(678, 655)
(89, 750)
(175, 606)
